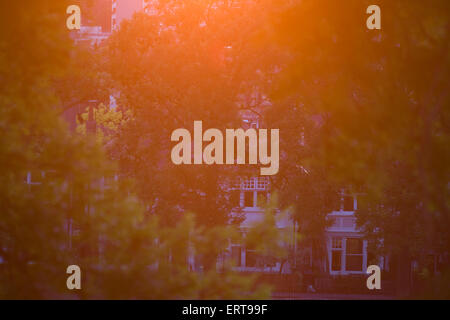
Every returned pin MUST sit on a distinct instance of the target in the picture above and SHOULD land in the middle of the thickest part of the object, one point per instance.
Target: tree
(193, 61)
(383, 98)
(304, 184)
(60, 202)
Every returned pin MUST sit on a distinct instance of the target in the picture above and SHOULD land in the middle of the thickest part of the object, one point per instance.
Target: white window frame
(343, 250)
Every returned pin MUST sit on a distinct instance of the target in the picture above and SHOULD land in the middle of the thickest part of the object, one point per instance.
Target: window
(354, 254)
(262, 199)
(336, 260)
(34, 179)
(258, 183)
(336, 254)
(337, 243)
(354, 246)
(249, 184)
(251, 259)
(236, 255)
(352, 257)
(248, 199)
(262, 183)
(256, 191)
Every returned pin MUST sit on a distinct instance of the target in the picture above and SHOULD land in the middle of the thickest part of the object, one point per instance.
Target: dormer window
(254, 192)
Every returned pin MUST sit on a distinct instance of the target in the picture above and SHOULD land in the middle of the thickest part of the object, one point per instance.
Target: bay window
(347, 255)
